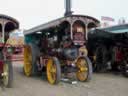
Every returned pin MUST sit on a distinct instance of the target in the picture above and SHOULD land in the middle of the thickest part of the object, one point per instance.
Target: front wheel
(53, 70)
(7, 74)
(84, 66)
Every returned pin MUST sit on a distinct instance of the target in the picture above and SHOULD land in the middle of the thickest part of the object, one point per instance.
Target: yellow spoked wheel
(82, 73)
(53, 71)
(27, 61)
(5, 74)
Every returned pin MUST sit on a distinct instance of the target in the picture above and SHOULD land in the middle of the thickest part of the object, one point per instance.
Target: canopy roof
(10, 24)
(56, 23)
(116, 29)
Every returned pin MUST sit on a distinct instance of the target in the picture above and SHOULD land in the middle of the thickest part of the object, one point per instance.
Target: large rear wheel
(84, 66)
(53, 70)
(27, 60)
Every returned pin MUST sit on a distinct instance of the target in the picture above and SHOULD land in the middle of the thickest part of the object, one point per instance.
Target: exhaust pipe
(68, 11)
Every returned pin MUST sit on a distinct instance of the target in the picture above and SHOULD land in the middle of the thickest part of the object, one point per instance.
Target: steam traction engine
(59, 47)
(109, 46)
(7, 25)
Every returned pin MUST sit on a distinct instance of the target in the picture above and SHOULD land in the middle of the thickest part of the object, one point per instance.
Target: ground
(107, 84)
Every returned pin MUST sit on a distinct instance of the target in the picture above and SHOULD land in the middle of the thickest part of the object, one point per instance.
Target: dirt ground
(101, 85)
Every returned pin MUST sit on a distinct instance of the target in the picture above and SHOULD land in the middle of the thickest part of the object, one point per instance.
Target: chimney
(68, 11)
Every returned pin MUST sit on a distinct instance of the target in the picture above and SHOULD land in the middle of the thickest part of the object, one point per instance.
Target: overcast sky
(34, 12)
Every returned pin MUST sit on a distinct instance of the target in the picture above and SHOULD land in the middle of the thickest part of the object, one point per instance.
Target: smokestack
(68, 11)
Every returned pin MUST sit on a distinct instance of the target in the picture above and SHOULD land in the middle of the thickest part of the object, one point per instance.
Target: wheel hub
(83, 69)
(53, 70)
(4, 74)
